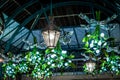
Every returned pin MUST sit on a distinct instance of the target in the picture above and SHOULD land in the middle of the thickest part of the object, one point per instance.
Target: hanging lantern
(51, 34)
(90, 66)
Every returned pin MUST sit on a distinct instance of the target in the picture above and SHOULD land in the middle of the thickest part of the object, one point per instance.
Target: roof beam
(20, 5)
(10, 32)
(20, 9)
(20, 38)
(7, 46)
(32, 27)
(24, 43)
(3, 2)
(65, 4)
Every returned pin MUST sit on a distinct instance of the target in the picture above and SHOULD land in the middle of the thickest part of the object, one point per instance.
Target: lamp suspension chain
(51, 8)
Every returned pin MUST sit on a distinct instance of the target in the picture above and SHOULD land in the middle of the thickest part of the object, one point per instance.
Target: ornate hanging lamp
(51, 34)
(90, 65)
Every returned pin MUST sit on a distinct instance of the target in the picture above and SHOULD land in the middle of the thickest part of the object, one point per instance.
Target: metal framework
(43, 11)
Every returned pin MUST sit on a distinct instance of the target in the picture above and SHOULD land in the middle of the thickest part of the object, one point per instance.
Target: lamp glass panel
(51, 37)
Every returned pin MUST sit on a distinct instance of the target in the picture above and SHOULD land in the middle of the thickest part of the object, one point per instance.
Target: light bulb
(52, 36)
(90, 66)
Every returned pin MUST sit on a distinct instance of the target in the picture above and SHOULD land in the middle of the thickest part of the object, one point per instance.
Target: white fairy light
(64, 52)
(102, 34)
(105, 44)
(95, 48)
(66, 64)
(95, 41)
(91, 45)
(49, 63)
(39, 58)
(53, 65)
(37, 52)
(53, 55)
(69, 61)
(52, 50)
(92, 41)
(61, 57)
(97, 51)
(99, 43)
(88, 35)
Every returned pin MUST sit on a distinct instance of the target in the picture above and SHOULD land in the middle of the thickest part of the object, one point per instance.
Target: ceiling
(64, 12)
(25, 19)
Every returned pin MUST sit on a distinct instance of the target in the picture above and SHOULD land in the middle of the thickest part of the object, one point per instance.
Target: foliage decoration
(95, 42)
(111, 63)
(44, 62)
(39, 64)
(23, 67)
(96, 46)
(13, 65)
(10, 69)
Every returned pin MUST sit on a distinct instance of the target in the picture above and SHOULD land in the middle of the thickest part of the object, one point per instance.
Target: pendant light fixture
(51, 32)
(90, 65)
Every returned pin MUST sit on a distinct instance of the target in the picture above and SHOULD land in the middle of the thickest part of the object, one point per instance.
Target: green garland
(110, 63)
(39, 64)
(96, 44)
